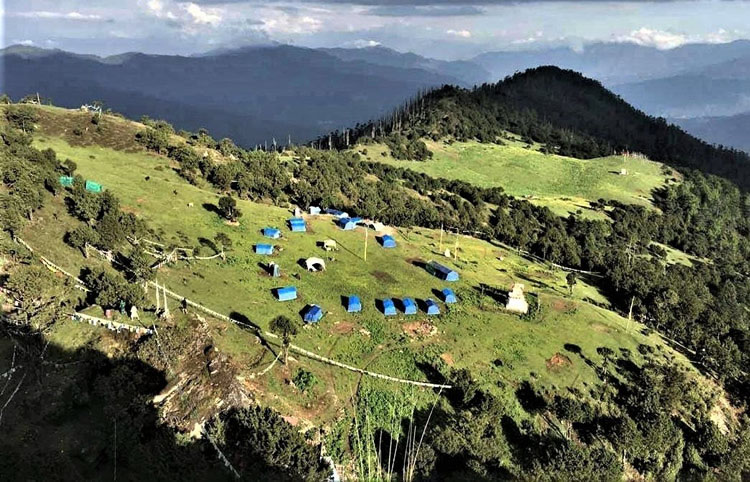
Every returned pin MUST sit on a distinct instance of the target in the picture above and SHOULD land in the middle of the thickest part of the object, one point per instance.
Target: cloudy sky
(438, 28)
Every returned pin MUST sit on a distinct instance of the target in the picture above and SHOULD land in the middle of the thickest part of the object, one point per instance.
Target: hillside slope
(570, 114)
(558, 393)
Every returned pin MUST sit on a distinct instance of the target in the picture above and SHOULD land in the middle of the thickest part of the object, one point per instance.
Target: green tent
(93, 186)
(66, 181)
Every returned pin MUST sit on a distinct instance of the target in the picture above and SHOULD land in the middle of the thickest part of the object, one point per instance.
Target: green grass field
(475, 333)
(563, 184)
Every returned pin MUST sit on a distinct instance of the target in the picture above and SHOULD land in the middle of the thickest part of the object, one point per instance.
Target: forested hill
(569, 113)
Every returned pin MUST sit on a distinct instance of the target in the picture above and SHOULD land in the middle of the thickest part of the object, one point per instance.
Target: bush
(304, 380)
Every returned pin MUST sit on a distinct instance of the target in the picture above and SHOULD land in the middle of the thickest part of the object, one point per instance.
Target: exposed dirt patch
(383, 277)
(343, 328)
(419, 328)
(128, 209)
(140, 200)
(447, 358)
(293, 421)
(564, 305)
(558, 362)
(205, 380)
(599, 328)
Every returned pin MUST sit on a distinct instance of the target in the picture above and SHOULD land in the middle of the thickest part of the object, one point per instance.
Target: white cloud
(459, 33)
(362, 43)
(58, 15)
(283, 23)
(659, 39)
(536, 37)
(202, 16)
(27, 43)
(665, 40)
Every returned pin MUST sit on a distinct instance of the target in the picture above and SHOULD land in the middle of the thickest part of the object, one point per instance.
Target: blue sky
(436, 28)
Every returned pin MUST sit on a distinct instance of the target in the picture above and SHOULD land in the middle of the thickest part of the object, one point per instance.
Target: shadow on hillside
(91, 417)
(211, 208)
(498, 295)
(72, 402)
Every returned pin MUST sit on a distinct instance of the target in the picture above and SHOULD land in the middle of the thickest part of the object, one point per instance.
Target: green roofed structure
(92, 186)
(66, 181)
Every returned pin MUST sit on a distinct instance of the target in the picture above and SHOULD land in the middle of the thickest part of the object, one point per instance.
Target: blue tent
(313, 314)
(287, 293)
(409, 306)
(337, 213)
(387, 241)
(389, 309)
(448, 295)
(353, 305)
(297, 225)
(442, 272)
(347, 224)
(431, 307)
(264, 249)
(273, 233)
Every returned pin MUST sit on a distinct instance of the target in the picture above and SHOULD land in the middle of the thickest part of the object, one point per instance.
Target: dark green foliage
(304, 380)
(139, 266)
(228, 208)
(22, 117)
(156, 140)
(255, 437)
(108, 289)
(81, 236)
(286, 329)
(42, 298)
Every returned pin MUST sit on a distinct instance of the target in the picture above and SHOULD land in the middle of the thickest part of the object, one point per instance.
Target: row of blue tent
(354, 305)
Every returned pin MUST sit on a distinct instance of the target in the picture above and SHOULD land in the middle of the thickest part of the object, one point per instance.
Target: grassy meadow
(563, 184)
(500, 348)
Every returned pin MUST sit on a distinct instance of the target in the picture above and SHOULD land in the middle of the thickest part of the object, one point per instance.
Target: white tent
(315, 264)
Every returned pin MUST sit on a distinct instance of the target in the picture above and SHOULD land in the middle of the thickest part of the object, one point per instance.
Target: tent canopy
(432, 307)
(348, 223)
(315, 264)
(387, 241)
(93, 186)
(313, 314)
(273, 233)
(448, 295)
(353, 304)
(409, 306)
(389, 309)
(264, 249)
(286, 293)
(337, 213)
(442, 272)
(297, 225)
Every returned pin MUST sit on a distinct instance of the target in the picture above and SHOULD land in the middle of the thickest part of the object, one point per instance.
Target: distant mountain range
(250, 94)
(254, 94)
(727, 131)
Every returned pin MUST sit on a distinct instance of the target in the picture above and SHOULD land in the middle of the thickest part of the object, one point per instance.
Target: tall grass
(396, 458)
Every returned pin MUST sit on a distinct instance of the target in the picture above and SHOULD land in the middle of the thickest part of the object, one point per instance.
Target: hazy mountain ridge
(728, 131)
(297, 92)
(277, 91)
